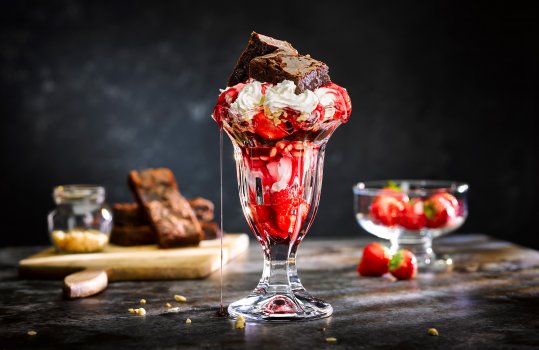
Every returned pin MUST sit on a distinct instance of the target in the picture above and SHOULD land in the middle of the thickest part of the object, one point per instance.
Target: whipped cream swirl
(248, 101)
(282, 95)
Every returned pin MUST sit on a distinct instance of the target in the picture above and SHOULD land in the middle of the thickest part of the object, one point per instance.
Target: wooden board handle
(85, 283)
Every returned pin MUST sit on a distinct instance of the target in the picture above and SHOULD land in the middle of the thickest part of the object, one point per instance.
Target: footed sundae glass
(279, 168)
(411, 213)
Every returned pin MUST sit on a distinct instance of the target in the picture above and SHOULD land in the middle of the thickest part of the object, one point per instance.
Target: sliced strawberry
(385, 210)
(260, 213)
(374, 261)
(403, 265)
(439, 209)
(266, 128)
(286, 223)
(343, 104)
(412, 217)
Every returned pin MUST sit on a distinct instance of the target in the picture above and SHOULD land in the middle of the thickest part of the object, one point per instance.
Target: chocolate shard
(170, 214)
(306, 72)
(257, 45)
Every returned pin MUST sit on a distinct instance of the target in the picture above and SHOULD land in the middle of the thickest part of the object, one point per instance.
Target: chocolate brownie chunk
(306, 72)
(211, 230)
(132, 235)
(204, 208)
(169, 212)
(258, 45)
(128, 214)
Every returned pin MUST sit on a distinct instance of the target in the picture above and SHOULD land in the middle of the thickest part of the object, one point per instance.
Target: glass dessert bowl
(411, 213)
(279, 132)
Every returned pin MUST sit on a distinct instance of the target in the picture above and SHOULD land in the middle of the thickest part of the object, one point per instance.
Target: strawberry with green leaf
(439, 209)
(403, 265)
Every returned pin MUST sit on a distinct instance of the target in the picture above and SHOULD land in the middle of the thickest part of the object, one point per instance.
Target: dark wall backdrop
(92, 89)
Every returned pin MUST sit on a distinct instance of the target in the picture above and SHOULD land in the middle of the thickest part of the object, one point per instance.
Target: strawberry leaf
(429, 210)
(393, 185)
(396, 261)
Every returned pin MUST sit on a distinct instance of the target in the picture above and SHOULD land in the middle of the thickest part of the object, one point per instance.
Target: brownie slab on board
(257, 45)
(306, 72)
(129, 235)
(204, 208)
(170, 214)
(211, 230)
(128, 214)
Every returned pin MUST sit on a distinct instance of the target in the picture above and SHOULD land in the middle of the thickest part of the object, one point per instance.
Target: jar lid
(76, 193)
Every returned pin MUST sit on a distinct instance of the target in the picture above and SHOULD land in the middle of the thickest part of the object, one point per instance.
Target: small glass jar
(81, 221)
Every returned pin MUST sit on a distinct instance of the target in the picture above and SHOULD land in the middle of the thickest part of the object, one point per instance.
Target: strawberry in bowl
(411, 213)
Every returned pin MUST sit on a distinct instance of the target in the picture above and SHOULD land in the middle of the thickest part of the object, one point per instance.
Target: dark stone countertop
(490, 300)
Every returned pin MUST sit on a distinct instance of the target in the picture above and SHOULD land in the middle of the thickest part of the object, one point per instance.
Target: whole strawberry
(403, 265)
(374, 261)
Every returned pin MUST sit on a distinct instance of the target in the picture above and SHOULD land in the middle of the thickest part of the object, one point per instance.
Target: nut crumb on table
(432, 331)
(142, 301)
(131, 310)
(188, 321)
(240, 322)
(331, 340)
(32, 333)
(180, 298)
(168, 305)
(140, 312)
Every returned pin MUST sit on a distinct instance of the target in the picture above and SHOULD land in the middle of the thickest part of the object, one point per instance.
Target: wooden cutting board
(88, 274)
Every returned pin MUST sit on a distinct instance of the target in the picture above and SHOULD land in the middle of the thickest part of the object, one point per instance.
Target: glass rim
(421, 187)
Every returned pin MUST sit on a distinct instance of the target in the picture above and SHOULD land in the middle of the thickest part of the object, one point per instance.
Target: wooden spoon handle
(85, 283)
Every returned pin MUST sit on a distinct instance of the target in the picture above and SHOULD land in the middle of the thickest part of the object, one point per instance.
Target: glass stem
(275, 276)
(422, 249)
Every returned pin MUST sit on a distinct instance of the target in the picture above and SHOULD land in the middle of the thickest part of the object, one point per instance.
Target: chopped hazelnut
(180, 298)
(141, 311)
(131, 310)
(432, 331)
(188, 321)
(143, 301)
(331, 340)
(32, 333)
(167, 305)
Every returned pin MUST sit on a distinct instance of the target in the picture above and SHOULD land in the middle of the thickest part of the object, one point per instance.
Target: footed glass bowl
(411, 213)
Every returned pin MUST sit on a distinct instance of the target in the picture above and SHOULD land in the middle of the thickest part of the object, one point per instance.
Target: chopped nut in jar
(188, 321)
(142, 301)
(79, 240)
(32, 333)
(180, 298)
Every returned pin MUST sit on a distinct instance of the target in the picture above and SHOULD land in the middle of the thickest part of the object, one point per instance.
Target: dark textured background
(92, 89)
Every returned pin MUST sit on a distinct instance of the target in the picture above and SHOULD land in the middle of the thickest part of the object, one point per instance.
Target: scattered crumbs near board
(180, 298)
(432, 331)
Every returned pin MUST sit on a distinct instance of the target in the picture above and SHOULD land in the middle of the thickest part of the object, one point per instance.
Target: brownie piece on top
(306, 72)
(257, 45)
(170, 214)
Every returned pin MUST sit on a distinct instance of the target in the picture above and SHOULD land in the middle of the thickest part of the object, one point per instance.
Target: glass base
(427, 259)
(280, 306)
